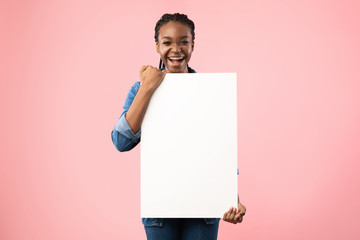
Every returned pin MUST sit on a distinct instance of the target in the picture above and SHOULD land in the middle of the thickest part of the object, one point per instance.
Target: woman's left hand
(235, 215)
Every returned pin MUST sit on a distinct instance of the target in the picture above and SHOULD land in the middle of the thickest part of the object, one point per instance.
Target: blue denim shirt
(124, 140)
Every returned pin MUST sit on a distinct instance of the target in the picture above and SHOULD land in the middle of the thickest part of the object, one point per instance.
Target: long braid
(161, 64)
(176, 17)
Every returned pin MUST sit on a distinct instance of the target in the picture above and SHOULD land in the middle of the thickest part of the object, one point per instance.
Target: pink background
(66, 67)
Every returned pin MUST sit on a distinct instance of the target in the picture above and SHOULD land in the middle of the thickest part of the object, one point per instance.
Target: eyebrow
(180, 37)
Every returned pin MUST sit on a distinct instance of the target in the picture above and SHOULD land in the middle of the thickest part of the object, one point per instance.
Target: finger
(243, 211)
(238, 216)
(232, 214)
(236, 212)
(239, 220)
(144, 67)
(227, 219)
(226, 215)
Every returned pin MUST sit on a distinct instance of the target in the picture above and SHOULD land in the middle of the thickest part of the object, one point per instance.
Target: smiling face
(175, 45)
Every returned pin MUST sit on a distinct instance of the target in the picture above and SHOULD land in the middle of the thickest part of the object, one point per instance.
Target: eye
(185, 42)
(166, 43)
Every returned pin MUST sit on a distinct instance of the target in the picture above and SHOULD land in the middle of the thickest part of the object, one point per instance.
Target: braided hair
(176, 17)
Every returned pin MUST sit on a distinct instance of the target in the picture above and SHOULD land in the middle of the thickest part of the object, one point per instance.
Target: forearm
(136, 112)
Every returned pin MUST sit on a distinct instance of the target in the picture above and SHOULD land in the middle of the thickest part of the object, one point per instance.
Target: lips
(176, 60)
(179, 58)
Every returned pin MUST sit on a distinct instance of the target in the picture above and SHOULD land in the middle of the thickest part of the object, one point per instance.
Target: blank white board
(189, 147)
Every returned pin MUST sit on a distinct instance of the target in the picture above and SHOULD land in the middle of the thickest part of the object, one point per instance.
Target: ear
(157, 47)
(192, 46)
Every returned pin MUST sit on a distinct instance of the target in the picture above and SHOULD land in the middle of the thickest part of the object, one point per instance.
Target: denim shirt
(124, 140)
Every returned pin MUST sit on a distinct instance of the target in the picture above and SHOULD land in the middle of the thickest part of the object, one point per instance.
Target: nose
(176, 47)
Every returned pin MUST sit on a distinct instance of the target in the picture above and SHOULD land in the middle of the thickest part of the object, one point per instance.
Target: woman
(174, 37)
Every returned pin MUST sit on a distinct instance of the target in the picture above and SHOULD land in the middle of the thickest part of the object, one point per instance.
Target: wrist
(146, 89)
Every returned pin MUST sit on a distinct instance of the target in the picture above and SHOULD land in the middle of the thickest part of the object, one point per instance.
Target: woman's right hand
(151, 77)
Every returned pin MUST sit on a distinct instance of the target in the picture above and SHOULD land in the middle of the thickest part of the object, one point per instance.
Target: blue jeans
(181, 229)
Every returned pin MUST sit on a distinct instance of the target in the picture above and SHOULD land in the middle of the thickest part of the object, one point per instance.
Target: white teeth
(176, 58)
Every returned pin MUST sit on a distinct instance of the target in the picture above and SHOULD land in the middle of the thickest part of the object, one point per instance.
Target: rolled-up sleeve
(123, 138)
